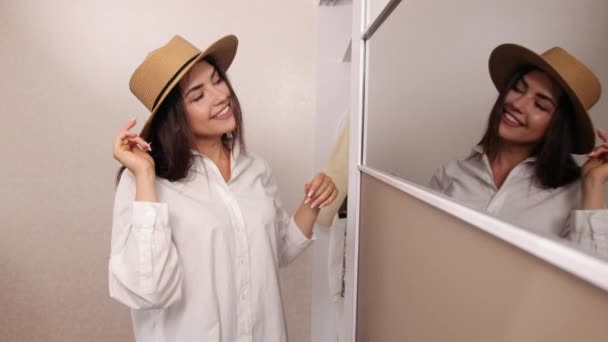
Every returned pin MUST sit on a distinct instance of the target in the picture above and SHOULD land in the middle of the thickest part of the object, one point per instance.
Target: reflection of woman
(198, 230)
(522, 170)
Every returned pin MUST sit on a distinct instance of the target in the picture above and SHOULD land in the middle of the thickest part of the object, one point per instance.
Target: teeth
(224, 111)
(512, 119)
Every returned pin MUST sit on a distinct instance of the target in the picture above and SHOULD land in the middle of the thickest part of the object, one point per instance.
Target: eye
(218, 81)
(541, 107)
(197, 98)
(518, 87)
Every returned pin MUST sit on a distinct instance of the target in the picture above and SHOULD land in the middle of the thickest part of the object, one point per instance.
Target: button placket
(242, 255)
(497, 201)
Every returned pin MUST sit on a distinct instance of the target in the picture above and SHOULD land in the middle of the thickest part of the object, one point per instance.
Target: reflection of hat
(581, 85)
(164, 67)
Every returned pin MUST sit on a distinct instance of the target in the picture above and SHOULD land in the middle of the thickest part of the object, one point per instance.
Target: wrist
(593, 182)
(145, 188)
(593, 194)
(147, 173)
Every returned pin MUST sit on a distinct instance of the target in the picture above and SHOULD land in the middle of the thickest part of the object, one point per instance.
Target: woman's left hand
(594, 175)
(595, 169)
(320, 191)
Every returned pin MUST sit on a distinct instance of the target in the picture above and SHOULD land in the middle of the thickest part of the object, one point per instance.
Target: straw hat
(578, 82)
(164, 67)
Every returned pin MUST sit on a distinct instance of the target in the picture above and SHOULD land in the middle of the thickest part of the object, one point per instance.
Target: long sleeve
(290, 240)
(144, 271)
(589, 230)
(437, 182)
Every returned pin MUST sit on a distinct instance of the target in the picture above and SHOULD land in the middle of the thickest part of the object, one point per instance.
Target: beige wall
(428, 84)
(65, 67)
(427, 276)
(374, 7)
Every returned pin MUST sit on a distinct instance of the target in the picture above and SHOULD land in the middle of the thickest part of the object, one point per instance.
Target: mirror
(429, 92)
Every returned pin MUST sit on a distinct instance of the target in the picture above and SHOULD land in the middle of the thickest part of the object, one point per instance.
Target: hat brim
(507, 59)
(222, 51)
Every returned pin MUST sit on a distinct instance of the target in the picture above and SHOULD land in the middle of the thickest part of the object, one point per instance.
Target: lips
(223, 114)
(510, 120)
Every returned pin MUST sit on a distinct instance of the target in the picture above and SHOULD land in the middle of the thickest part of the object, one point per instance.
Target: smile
(223, 114)
(510, 120)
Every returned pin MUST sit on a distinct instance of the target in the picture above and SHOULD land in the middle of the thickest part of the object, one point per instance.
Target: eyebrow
(541, 95)
(200, 85)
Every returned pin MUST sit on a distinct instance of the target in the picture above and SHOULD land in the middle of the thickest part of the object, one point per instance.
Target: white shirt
(523, 202)
(202, 264)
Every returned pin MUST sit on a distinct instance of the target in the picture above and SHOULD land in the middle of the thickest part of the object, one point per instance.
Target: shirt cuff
(295, 235)
(590, 230)
(147, 215)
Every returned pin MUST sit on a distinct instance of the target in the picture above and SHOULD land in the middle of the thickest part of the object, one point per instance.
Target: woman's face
(207, 102)
(528, 109)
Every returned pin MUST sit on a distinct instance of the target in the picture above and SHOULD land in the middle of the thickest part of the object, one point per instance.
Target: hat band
(160, 94)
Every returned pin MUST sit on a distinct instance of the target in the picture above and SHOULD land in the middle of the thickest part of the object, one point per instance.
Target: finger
(323, 196)
(327, 182)
(591, 162)
(315, 183)
(320, 190)
(603, 135)
(126, 136)
(122, 136)
(331, 198)
(598, 151)
(125, 130)
(313, 189)
(129, 124)
(140, 142)
(593, 152)
(127, 144)
(306, 188)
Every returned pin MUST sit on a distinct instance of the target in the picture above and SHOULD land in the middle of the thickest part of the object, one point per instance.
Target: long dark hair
(171, 136)
(554, 166)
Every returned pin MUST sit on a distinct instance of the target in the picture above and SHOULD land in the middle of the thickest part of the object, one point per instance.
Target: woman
(198, 230)
(522, 170)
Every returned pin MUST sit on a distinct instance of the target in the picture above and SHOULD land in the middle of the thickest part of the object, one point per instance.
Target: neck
(213, 149)
(510, 155)
(505, 159)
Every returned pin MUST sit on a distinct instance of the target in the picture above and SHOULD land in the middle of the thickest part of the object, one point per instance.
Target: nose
(220, 94)
(520, 102)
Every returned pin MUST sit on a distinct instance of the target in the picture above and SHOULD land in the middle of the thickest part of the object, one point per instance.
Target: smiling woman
(522, 170)
(199, 231)
(208, 98)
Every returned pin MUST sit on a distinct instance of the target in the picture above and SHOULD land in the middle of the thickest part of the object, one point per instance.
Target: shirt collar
(479, 150)
(235, 153)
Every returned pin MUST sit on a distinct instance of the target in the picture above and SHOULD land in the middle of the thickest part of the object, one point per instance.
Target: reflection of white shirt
(202, 265)
(522, 202)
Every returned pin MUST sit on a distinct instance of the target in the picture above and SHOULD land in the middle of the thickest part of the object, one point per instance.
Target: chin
(517, 140)
(510, 135)
(232, 128)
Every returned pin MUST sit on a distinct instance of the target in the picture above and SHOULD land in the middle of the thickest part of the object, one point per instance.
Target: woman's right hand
(130, 150)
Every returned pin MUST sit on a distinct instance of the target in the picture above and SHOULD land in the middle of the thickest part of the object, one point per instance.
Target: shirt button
(148, 217)
(150, 212)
